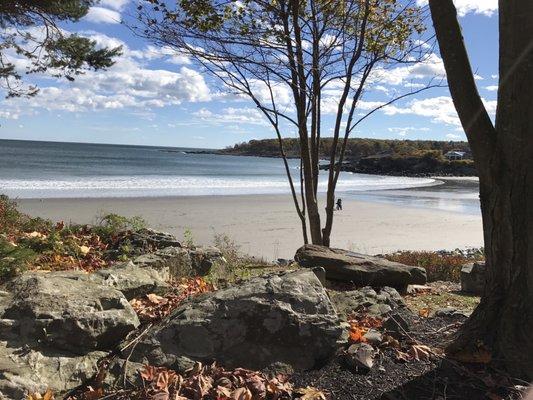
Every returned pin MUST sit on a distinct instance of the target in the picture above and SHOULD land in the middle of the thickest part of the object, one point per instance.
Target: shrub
(439, 267)
(13, 259)
(111, 225)
(237, 266)
(188, 238)
(12, 220)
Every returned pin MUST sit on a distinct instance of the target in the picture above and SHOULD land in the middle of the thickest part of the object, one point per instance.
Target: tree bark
(504, 157)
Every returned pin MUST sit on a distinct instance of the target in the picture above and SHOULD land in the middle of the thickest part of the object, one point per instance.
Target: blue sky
(153, 97)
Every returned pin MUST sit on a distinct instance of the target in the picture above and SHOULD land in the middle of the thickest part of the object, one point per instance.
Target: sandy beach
(267, 225)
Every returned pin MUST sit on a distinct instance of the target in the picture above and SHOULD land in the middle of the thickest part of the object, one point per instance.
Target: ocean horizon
(33, 169)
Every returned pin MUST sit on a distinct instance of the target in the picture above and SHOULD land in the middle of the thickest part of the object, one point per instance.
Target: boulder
(170, 262)
(284, 318)
(359, 356)
(146, 240)
(397, 324)
(360, 269)
(473, 278)
(132, 280)
(178, 262)
(378, 303)
(66, 311)
(203, 259)
(26, 370)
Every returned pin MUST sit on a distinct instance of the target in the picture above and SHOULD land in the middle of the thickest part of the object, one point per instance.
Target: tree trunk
(504, 157)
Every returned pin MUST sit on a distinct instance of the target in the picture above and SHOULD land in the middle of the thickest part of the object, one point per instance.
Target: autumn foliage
(154, 307)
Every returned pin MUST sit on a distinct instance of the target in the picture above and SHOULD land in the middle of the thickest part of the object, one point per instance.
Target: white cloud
(127, 84)
(492, 88)
(244, 115)
(439, 109)
(103, 15)
(432, 66)
(404, 131)
(485, 7)
(166, 53)
(453, 136)
(118, 5)
(9, 114)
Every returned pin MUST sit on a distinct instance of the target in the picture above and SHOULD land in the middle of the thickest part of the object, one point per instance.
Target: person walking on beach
(339, 204)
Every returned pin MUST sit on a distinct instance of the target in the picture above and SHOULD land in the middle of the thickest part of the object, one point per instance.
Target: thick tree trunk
(504, 319)
(504, 157)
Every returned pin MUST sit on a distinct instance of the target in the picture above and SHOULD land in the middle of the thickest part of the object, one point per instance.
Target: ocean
(30, 169)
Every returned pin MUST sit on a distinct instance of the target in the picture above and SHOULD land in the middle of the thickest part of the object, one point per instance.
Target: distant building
(455, 155)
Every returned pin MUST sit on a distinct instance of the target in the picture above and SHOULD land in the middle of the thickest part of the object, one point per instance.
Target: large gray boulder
(66, 311)
(278, 318)
(25, 370)
(170, 262)
(132, 280)
(203, 258)
(375, 302)
(178, 262)
(473, 278)
(360, 269)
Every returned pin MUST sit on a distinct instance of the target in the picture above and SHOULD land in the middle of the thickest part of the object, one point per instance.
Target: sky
(152, 96)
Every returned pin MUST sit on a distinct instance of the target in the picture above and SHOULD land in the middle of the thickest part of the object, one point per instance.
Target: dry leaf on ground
(311, 393)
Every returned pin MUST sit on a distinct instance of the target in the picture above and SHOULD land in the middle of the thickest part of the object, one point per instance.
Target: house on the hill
(455, 155)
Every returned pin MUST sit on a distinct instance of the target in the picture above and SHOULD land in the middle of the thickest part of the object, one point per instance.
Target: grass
(236, 266)
(439, 267)
(436, 300)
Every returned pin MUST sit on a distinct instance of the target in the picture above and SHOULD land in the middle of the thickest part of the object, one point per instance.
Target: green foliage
(9, 215)
(188, 238)
(12, 220)
(49, 47)
(111, 225)
(439, 267)
(235, 266)
(14, 259)
(74, 53)
(356, 147)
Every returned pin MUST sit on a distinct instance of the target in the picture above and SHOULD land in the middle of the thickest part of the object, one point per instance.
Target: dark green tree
(30, 34)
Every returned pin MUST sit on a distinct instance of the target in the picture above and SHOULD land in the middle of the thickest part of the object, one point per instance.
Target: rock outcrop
(378, 302)
(68, 312)
(54, 327)
(132, 280)
(360, 269)
(473, 278)
(278, 318)
(172, 262)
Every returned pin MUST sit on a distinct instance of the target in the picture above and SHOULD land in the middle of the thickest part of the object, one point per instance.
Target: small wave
(144, 186)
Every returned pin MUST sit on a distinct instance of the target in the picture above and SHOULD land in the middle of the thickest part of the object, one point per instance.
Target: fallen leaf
(154, 298)
(48, 395)
(420, 352)
(36, 234)
(389, 341)
(84, 250)
(241, 393)
(311, 393)
(424, 312)
(357, 334)
(478, 356)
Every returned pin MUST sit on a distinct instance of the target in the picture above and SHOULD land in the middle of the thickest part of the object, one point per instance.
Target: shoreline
(267, 225)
